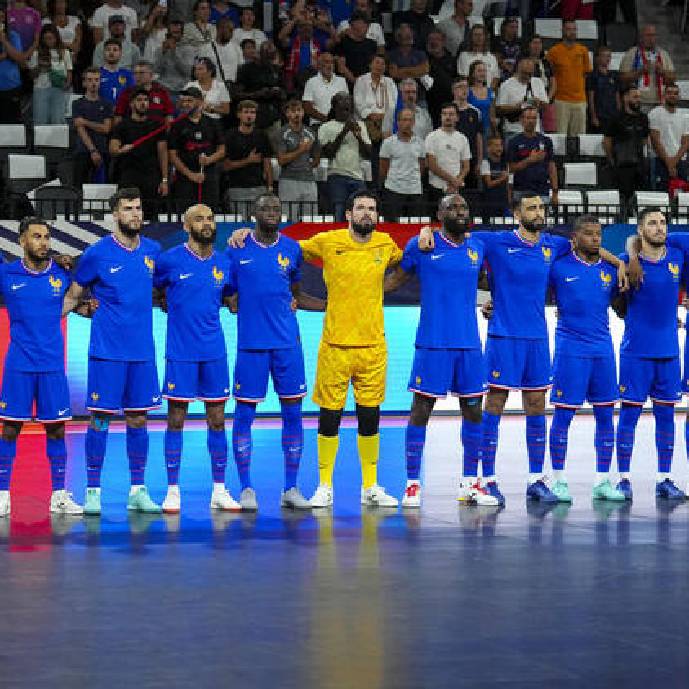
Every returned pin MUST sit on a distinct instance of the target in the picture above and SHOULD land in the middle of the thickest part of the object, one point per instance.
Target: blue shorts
(515, 363)
(20, 389)
(576, 379)
(253, 367)
(208, 381)
(115, 386)
(659, 379)
(435, 372)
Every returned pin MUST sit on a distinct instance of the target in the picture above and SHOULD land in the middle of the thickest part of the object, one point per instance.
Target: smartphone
(162, 3)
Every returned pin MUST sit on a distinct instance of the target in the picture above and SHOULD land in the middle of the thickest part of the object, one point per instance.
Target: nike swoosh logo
(62, 412)
(156, 399)
(241, 263)
(226, 390)
(435, 257)
(513, 251)
(115, 269)
(571, 279)
(184, 276)
(19, 286)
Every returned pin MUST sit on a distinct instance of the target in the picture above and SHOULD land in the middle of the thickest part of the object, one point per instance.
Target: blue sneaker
(625, 487)
(667, 490)
(538, 490)
(492, 489)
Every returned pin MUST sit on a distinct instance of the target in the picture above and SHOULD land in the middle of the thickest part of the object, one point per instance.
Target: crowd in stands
(191, 99)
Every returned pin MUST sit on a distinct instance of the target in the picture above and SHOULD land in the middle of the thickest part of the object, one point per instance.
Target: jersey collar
(37, 272)
(588, 265)
(126, 248)
(446, 239)
(650, 260)
(265, 246)
(526, 241)
(196, 256)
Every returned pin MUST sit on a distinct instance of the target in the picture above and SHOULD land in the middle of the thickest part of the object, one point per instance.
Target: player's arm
(636, 272)
(394, 280)
(238, 238)
(72, 298)
(622, 276)
(306, 302)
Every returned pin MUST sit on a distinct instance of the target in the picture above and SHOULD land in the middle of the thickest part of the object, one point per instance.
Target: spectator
(247, 167)
(578, 9)
(507, 47)
(375, 30)
(402, 160)
(669, 132)
(497, 193)
(174, 60)
(154, 30)
(130, 54)
(195, 147)
(406, 61)
(159, 107)
(469, 123)
(216, 98)
(344, 142)
(648, 67)
(302, 54)
(92, 121)
(68, 25)
(477, 49)
(419, 20)
(320, 89)
(456, 28)
(481, 95)
(298, 153)
(101, 19)
(570, 64)
(443, 70)
(247, 28)
(409, 97)
(447, 155)
(354, 51)
(141, 164)
(225, 54)
(26, 21)
(602, 91)
(224, 10)
(541, 67)
(113, 78)
(200, 32)
(522, 89)
(51, 69)
(530, 158)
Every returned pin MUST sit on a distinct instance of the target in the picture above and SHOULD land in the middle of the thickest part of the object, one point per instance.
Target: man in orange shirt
(570, 62)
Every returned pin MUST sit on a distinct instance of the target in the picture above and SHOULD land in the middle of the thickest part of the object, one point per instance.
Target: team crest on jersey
(558, 393)
(218, 275)
(623, 388)
(473, 255)
(95, 396)
(605, 278)
(237, 386)
(56, 284)
(674, 269)
(150, 264)
(283, 261)
(547, 253)
(122, 79)
(3, 405)
(418, 380)
(495, 374)
(170, 386)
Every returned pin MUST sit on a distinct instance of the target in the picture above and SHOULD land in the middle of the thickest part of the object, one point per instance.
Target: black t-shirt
(191, 139)
(628, 133)
(443, 71)
(253, 76)
(238, 146)
(95, 111)
(469, 123)
(142, 161)
(420, 23)
(605, 88)
(357, 54)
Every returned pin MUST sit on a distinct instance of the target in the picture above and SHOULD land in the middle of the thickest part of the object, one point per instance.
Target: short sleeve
(489, 239)
(295, 273)
(410, 257)
(485, 167)
(561, 245)
(395, 254)
(86, 272)
(678, 240)
(386, 148)
(312, 248)
(308, 94)
(548, 147)
(173, 139)
(325, 134)
(161, 276)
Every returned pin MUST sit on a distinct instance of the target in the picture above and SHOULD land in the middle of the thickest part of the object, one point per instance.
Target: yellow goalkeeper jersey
(353, 273)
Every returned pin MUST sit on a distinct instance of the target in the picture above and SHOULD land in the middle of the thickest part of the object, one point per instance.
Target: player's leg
(61, 502)
(8, 451)
(415, 439)
(534, 408)
(328, 443)
(685, 391)
(217, 449)
(95, 446)
(172, 448)
(490, 428)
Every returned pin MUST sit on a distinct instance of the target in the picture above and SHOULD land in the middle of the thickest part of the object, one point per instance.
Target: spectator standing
(520, 90)
(443, 70)
(570, 63)
(496, 199)
(26, 21)
(159, 107)
(225, 54)
(406, 61)
(174, 60)
(130, 53)
(222, 10)
(541, 67)
(481, 95)
(669, 132)
(354, 50)
(51, 69)
(507, 47)
(375, 30)
(409, 97)
(602, 91)
(101, 19)
(302, 50)
(216, 98)
(469, 123)
(200, 32)
(68, 25)
(154, 30)
(418, 18)
(477, 49)
(247, 28)
(320, 89)
(113, 78)
(456, 28)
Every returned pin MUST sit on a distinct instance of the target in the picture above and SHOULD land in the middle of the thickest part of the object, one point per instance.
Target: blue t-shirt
(121, 279)
(94, 111)
(34, 306)
(519, 274)
(113, 83)
(583, 292)
(262, 276)
(449, 283)
(533, 177)
(650, 326)
(194, 292)
(9, 69)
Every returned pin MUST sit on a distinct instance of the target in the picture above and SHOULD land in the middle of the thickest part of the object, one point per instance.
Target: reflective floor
(583, 596)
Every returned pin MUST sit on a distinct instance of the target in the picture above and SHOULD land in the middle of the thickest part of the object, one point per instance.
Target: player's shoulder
(57, 270)
(287, 243)
(674, 255)
(222, 259)
(474, 243)
(150, 245)
(379, 239)
(332, 238)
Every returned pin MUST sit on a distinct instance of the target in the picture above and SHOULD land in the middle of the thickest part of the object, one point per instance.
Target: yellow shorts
(365, 367)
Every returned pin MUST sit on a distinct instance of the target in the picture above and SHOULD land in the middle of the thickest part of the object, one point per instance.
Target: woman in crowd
(482, 96)
(215, 95)
(68, 26)
(477, 49)
(51, 69)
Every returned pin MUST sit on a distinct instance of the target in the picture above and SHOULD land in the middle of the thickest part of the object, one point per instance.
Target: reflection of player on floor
(584, 367)
(33, 289)
(649, 355)
(448, 356)
(122, 372)
(265, 273)
(194, 278)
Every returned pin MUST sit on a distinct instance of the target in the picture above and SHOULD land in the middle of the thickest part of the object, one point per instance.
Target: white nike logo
(241, 263)
(436, 256)
(19, 286)
(155, 399)
(226, 390)
(62, 412)
(184, 276)
(572, 279)
(302, 386)
(114, 269)
(512, 251)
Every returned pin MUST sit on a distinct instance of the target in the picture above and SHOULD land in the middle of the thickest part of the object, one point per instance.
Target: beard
(268, 227)
(655, 243)
(129, 230)
(533, 225)
(363, 228)
(202, 237)
(456, 227)
(37, 257)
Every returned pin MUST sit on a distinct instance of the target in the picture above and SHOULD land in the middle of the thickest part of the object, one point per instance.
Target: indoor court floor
(587, 596)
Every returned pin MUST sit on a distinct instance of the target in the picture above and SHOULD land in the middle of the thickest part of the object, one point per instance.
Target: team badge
(623, 388)
(605, 278)
(495, 374)
(674, 269)
(473, 255)
(218, 275)
(122, 79)
(95, 396)
(237, 386)
(3, 405)
(547, 253)
(170, 386)
(558, 393)
(283, 261)
(150, 264)
(56, 284)
(418, 380)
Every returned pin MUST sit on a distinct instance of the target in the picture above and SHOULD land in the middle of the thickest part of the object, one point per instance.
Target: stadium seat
(683, 90)
(25, 172)
(51, 141)
(550, 30)
(559, 145)
(615, 60)
(12, 140)
(96, 197)
(652, 198)
(605, 203)
(587, 32)
(591, 146)
(52, 201)
(620, 37)
(69, 101)
(386, 22)
(571, 198)
(580, 175)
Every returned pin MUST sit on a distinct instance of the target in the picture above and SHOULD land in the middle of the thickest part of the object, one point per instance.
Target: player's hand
(536, 156)
(238, 238)
(623, 278)
(87, 308)
(197, 177)
(79, 122)
(125, 149)
(426, 241)
(487, 310)
(634, 271)
(554, 199)
(96, 159)
(233, 303)
(65, 261)
(294, 305)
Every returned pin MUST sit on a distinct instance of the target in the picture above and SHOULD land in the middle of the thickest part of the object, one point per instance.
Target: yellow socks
(369, 449)
(327, 451)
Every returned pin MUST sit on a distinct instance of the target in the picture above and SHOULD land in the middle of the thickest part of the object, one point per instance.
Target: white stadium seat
(26, 166)
(580, 174)
(559, 144)
(591, 145)
(548, 28)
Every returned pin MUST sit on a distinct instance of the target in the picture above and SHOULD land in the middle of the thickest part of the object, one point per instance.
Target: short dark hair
(29, 220)
(139, 91)
(585, 219)
(124, 194)
(113, 41)
(645, 212)
(91, 70)
(449, 104)
(361, 194)
(247, 104)
(627, 88)
(210, 65)
(357, 15)
(519, 196)
(247, 40)
(292, 102)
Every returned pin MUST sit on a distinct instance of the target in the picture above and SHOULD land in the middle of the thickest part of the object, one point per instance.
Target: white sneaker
(475, 494)
(377, 497)
(323, 497)
(293, 499)
(61, 502)
(173, 502)
(4, 503)
(412, 495)
(222, 500)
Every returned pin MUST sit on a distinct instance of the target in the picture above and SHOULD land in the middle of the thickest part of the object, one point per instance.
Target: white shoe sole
(411, 505)
(67, 512)
(223, 508)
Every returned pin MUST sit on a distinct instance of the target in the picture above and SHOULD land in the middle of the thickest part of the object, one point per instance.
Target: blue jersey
(449, 283)
(519, 274)
(583, 292)
(34, 307)
(113, 83)
(680, 240)
(194, 292)
(121, 279)
(262, 276)
(650, 326)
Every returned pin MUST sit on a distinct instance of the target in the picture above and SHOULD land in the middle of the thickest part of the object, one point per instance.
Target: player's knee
(496, 400)
(100, 422)
(471, 408)
(290, 408)
(11, 430)
(135, 419)
(329, 421)
(534, 403)
(245, 412)
(55, 431)
(421, 410)
(369, 420)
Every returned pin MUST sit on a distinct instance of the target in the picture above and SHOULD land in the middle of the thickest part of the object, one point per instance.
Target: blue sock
(559, 430)
(137, 451)
(604, 438)
(471, 444)
(8, 451)
(535, 443)
(173, 455)
(292, 441)
(415, 439)
(217, 449)
(629, 417)
(665, 435)
(490, 428)
(57, 458)
(244, 414)
(96, 440)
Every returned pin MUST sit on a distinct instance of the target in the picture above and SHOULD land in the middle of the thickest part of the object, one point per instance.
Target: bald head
(199, 222)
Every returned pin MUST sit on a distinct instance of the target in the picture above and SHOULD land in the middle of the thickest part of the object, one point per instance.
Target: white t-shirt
(320, 92)
(68, 32)
(449, 149)
(216, 95)
(671, 126)
(466, 58)
(104, 12)
(64, 65)
(240, 34)
(375, 31)
(513, 91)
(154, 42)
(404, 173)
(230, 56)
(347, 160)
